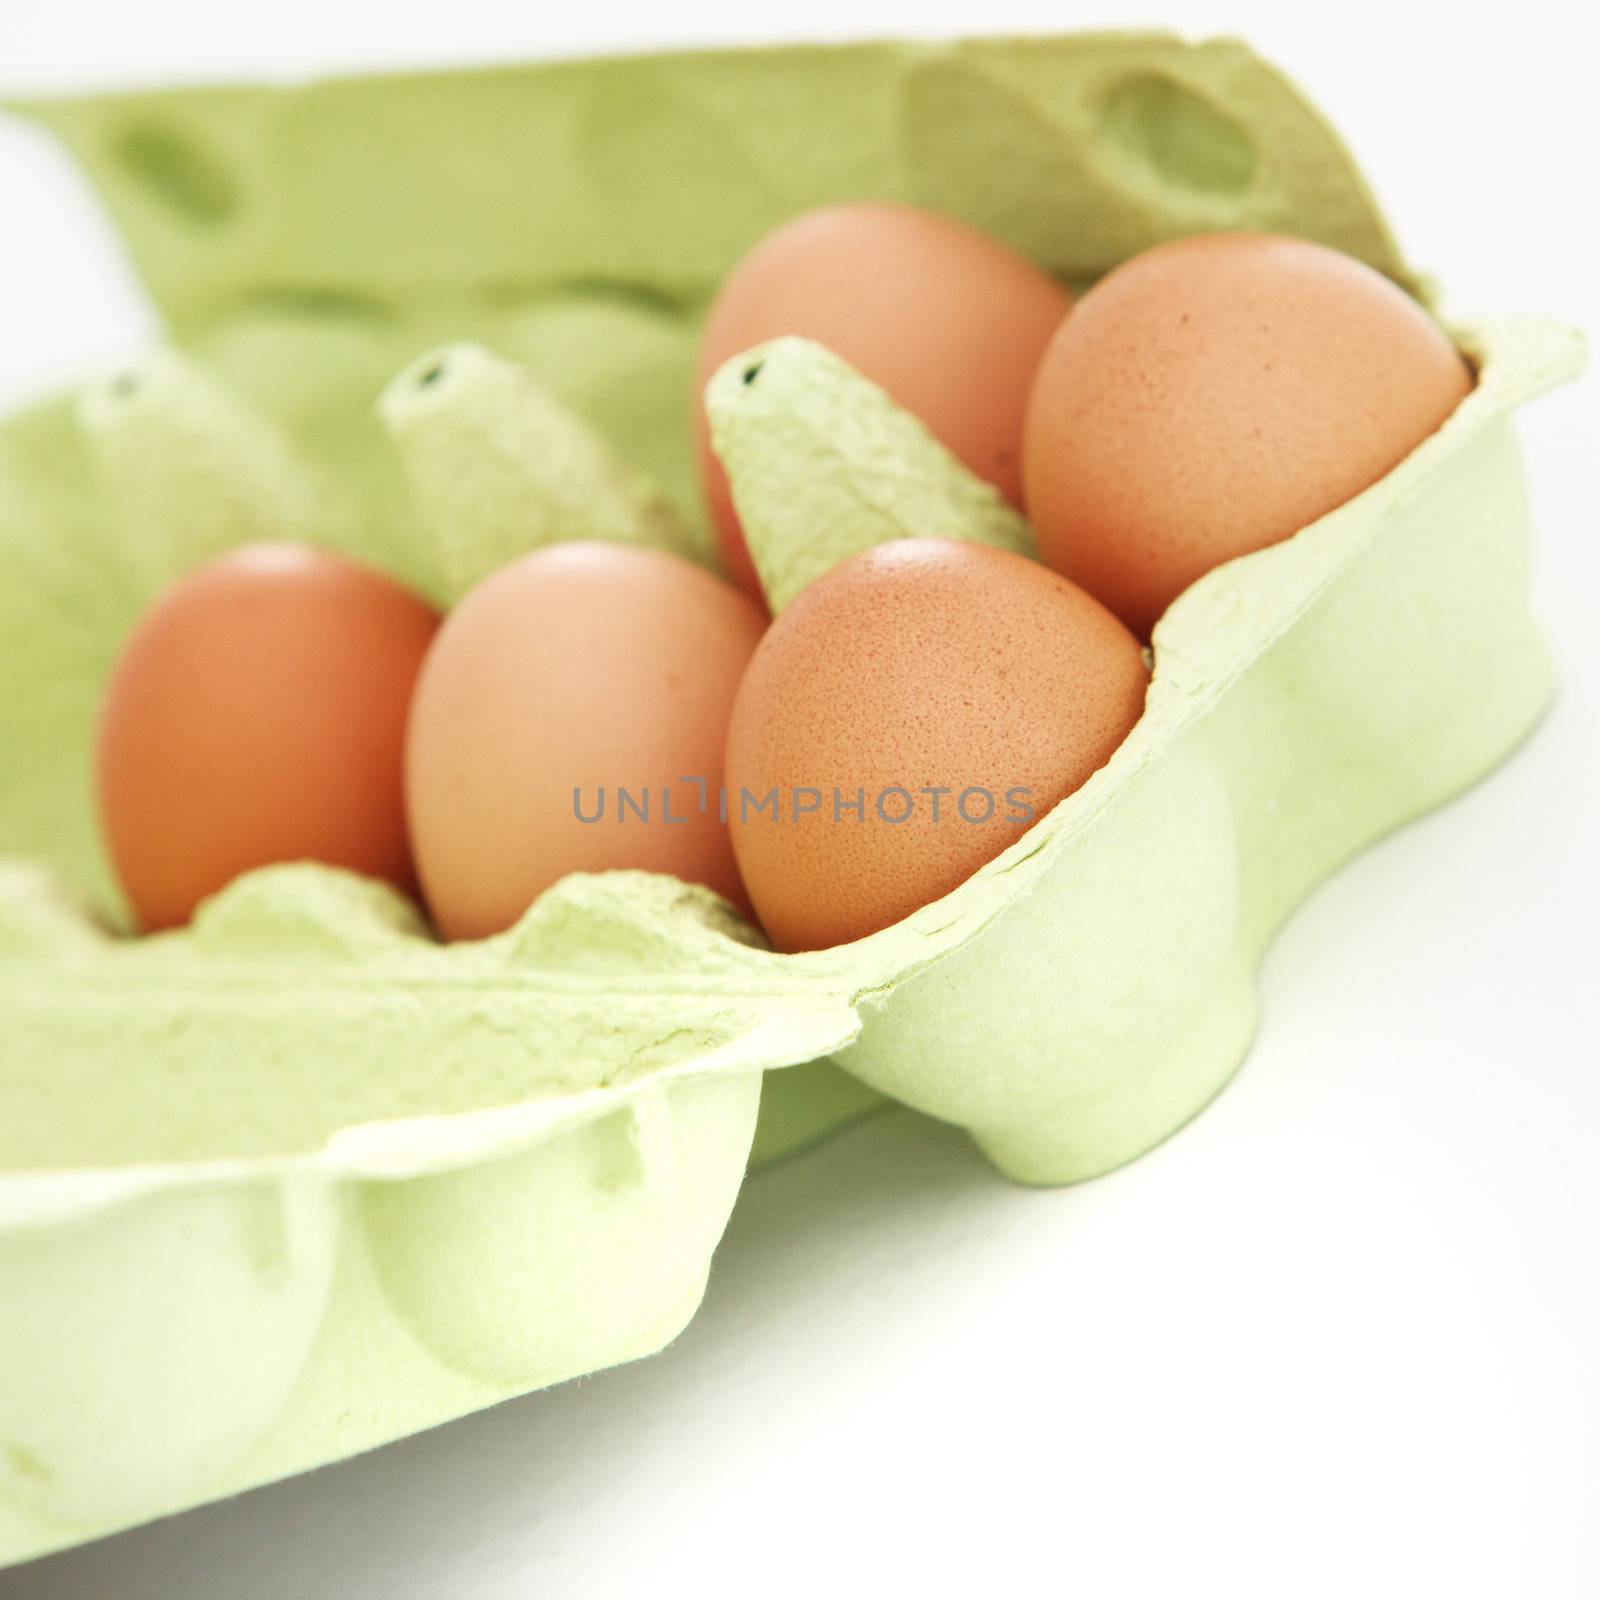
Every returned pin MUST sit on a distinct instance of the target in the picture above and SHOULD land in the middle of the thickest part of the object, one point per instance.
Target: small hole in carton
(1166, 131)
(176, 173)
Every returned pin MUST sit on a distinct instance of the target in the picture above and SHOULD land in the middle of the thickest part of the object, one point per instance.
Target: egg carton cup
(298, 1179)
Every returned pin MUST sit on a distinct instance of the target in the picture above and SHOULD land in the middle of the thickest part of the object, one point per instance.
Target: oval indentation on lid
(1178, 137)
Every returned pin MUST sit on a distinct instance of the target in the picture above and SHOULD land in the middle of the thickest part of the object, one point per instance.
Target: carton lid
(647, 176)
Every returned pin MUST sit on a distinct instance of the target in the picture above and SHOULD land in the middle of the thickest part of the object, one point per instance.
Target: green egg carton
(298, 1180)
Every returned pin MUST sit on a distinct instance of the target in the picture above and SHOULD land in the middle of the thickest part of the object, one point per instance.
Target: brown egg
(257, 714)
(949, 321)
(957, 691)
(1214, 395)
(564, 679)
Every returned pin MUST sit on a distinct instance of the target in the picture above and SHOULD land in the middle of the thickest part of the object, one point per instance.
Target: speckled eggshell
(949, 321)
(919, 664)
(1213, 396)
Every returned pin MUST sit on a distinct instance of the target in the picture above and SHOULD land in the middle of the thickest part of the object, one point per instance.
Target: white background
(1340, 1336)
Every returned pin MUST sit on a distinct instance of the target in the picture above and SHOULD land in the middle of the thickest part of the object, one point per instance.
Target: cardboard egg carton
(298, 1179)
